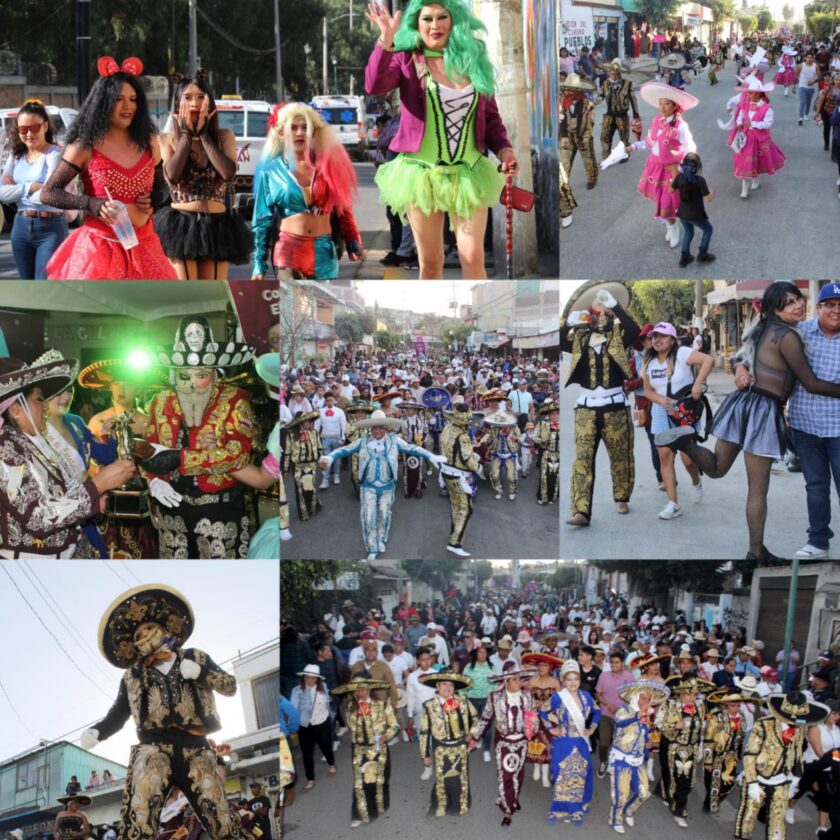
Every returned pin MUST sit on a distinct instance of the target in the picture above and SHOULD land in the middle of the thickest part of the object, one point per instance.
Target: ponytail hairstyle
(334, 186)
(465, 54)
(35, 107)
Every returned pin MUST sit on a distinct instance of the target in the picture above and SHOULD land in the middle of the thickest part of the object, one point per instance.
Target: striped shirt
(813, 413)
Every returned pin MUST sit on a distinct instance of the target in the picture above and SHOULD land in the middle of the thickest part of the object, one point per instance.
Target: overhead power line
(230, 38)
(39, 28)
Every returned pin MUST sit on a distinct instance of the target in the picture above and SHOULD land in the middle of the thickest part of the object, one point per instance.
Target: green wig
(465, 54)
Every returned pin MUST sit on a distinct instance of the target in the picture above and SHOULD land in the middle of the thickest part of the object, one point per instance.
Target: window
(267, 699)
(32, 774)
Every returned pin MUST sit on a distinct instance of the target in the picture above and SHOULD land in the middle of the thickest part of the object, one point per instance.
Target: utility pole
(791, 609)
(277, 61)
(83, 49)
(325, 81)
(193, 23)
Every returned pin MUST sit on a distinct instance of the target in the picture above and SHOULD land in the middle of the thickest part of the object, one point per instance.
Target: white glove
(604, 300)
(158, 448)
(618, 154)
(437, 460)
(164, 492)
(89, 739)
(754, 791)
(190, 670)
(575, 318)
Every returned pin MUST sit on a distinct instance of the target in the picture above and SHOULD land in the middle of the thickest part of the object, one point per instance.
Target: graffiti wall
(539, 21)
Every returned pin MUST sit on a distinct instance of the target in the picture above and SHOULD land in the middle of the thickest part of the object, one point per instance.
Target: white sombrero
(752, 84)
(653, 91)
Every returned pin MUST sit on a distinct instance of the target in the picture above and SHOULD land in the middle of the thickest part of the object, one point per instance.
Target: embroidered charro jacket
(231, 418)
(766, 754)
(547, 439)
(158, 702)
(670, 713)
(378, 460)
(504, 442)
(620, 98)
(38, 513)
(449, 728)
(380, 721)
(578, 121)
(609, 368)
(414, 429)
(456, 445)
(723, 737)
(303, 448)
(630, 737)
(508, 719)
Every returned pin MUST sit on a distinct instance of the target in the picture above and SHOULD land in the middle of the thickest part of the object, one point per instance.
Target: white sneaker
(487, 755)
(393, 741)
(670, 511)
(372, 556)
(511, 496)
(618, 829)
(755, 185)
(810, 552)
(459, 551)
(336, 480)
(790, 816)
(426, 774)
(681, 822)
(355, 823)
(536, 772)
(324, 484)
(837, 183)
(566, 221)
(340, 731)
(675, 235)
(404, 736)
(285, 535)
(630, 821)
(498, 496)
(697, 492)
(744, 189)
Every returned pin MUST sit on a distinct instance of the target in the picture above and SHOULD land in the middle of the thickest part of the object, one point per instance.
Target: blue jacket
(302, 701)
(379, 469)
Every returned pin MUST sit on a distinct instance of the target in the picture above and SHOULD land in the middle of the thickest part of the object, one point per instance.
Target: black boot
(685, 259)
(705, 256)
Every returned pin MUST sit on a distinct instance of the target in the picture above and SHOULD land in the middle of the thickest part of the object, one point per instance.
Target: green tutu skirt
(455, 189)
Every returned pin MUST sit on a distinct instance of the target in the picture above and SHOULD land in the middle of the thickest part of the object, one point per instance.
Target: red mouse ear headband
(272, 120)
(107, 66)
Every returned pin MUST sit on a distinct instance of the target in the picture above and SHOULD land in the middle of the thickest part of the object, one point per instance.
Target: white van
(346, 115)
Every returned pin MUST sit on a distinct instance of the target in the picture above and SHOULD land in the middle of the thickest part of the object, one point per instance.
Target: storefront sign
(576, 27)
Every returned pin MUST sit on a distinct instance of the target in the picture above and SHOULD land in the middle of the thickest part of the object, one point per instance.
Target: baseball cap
(345, 378)
(826, 654)
(664, 328)
(431, 626)
(829, 291)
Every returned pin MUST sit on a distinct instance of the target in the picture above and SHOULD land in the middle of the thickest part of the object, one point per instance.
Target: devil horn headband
(107, 66)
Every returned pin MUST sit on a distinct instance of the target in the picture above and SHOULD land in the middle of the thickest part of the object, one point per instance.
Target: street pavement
(325, 811)
(501, 529)
(775, 233)
(714, 529)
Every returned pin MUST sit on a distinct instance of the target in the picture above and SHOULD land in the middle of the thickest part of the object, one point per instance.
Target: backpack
(688, 411)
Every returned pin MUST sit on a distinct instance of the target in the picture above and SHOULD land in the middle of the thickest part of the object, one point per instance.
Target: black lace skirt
(225, 237)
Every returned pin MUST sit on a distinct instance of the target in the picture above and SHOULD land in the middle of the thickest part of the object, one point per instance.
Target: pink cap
(664, 328)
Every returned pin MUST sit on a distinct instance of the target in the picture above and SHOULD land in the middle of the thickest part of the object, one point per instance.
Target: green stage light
(139, 359)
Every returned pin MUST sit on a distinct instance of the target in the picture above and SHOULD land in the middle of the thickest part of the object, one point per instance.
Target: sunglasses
(26, 129)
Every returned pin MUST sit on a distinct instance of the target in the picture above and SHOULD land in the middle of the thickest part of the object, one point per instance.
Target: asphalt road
(325, 811)
(775, 233)
(420, 527)
(714, 529)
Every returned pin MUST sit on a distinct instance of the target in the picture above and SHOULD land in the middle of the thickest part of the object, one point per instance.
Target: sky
(45, 693)
(417, 295)
(566, 289)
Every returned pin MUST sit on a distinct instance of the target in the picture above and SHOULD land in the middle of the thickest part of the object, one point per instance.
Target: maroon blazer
(389, 70)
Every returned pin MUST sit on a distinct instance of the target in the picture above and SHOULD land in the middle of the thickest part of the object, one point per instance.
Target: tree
(787, 13)
(662, 300)
(457, 332)
(437, 573)
(387, 340)
(748, 23)
(564, 577)
(298, 579)
(721, 10)
(348, 327)
(819, 24)
(483, 570)
(297, 321)
(764, 19)
(658, 576)
(658, 13)
(368, 322)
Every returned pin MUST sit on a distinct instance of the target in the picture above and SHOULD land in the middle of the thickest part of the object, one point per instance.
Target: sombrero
(149, 602)
(617, 64)
(494, 394)
(519, 673)
(795, 708)
(52, 377)
(379, 418)
(360, 405)
(548, 407)
(389, 395)
(574, 82)
(652, 92)
(410, 404)
(500, 419)
(659, 693)
(82, 798)
(460, 414)
(360, 683)
(552, 634)
(673, 61)
(105, 372)
(727, 695)
(459, 680)
(752, 84)
(584, 296)
(542, 658)
(303, 417)
(649, 660)
(195, 347)
(690, 683)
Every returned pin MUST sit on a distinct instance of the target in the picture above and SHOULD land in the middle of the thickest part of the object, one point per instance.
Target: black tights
(718, 463)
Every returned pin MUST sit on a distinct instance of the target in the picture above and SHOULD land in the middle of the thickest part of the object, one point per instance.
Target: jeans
(688, 234)
(819, 458)
(33, 242)
(806, 96)
(329, 444)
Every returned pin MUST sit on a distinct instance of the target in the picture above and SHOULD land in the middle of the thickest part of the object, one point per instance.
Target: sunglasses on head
(25, 129)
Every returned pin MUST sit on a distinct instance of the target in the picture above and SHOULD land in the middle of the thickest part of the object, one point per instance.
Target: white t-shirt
(681, 376)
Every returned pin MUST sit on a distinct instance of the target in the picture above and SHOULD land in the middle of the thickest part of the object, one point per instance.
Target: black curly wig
(18, 147)
(94, 117)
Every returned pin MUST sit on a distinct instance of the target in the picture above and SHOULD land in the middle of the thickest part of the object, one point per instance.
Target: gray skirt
(754, 421)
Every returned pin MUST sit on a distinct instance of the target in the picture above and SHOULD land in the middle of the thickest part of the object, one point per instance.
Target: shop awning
(746, 290)
(537, 342)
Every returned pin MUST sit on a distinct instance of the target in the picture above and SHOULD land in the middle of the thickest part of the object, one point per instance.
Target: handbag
(688, 411)
(520, 199)
(641, 412)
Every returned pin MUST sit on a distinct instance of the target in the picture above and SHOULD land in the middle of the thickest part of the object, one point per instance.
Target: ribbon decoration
(107, 66)
(275, 111)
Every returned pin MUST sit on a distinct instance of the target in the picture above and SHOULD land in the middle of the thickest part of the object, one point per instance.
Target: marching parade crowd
(467, 414)
(562, 691)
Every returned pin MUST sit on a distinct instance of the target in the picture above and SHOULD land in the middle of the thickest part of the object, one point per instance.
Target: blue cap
(829, 291)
